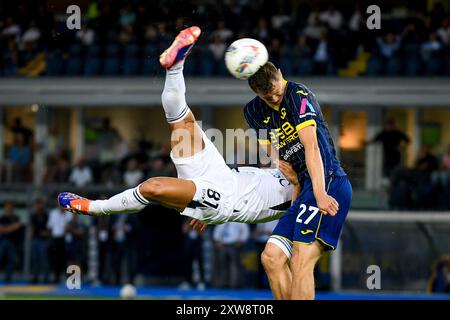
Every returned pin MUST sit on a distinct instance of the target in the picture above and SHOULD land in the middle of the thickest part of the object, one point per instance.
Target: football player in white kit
(206, 189)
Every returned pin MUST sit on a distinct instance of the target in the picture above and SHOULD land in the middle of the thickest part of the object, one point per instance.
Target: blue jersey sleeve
(304, 108)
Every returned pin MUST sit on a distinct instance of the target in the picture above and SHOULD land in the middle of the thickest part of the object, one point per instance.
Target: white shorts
(215, 184)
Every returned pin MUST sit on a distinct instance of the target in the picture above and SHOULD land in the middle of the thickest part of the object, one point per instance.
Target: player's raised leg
(186, 140)
(186, 135)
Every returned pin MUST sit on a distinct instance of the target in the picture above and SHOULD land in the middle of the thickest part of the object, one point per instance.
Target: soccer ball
(128, 291)
(244, 57)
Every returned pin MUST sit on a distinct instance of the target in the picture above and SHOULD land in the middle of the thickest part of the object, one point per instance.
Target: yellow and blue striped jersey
(279, 127)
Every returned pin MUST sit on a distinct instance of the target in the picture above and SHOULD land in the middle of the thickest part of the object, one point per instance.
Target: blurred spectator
(125, 248)
(222, 31)
(262, 30)
(392, 140)
(39, 242)
(275, 51)
(57, 221)
(86, 35)
(446, 160)
(92, 12)
(314, 30)
(356, 20)
(108, 137)
(302, 50)
(444, 31)
(431, 47)
(160, 167)
(81, 174)
(322, 56)
(74, 241)
(411, 37)
(280, 19)
(314, 15)
(133, 174)
(193, 254)
(11, 30)
(57, 170)
(217, 47)
(10, 226)
(427, 161)
(356, 25)
(126, 35)
(19, 159)
(127, 16)
(440, 279)
(389, 45)
(229, 239)
(54, 142)
(18, 129)
(332, 18)
(261, 234)
(30, 38)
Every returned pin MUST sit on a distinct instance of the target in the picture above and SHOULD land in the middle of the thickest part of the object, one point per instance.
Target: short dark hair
(262, 80)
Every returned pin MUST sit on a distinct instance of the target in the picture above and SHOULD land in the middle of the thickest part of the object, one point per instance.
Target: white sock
(173, 96)
(129, 201)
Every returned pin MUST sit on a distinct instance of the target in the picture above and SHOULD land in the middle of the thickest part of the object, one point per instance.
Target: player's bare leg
(303, 261)
(276, 265)
(186, 140)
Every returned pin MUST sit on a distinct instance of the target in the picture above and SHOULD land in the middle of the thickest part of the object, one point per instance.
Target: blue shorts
(303, 222)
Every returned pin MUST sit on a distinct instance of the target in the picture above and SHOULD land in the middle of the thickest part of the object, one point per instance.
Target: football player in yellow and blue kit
(290, 124)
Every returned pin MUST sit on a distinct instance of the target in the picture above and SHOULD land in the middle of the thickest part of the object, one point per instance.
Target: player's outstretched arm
(314, 164)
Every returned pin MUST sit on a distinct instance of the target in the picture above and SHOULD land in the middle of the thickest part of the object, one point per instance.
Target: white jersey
(262, 195)
(245, 194)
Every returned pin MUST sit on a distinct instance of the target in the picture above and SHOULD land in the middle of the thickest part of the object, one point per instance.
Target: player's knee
(152, 188)
(271, 259)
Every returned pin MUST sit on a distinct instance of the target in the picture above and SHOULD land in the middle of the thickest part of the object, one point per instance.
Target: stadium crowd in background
(125, 39)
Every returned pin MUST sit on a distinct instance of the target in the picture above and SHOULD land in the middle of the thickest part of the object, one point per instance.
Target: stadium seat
(286, 64)
(130, 66)
(75, 51)
(412, 67)
(373, 67)
(150, 66)
(412, 51)
(304, 67)
(112, 51)
(91, 67)
(92, 52)
(206, 67)
(393, 67)
(111, 66)
(9, 70)
(151, 50)
(73, 67)
(131, 51)
(54, 64)
(447, 67)
(432, 67)
(113, 35)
